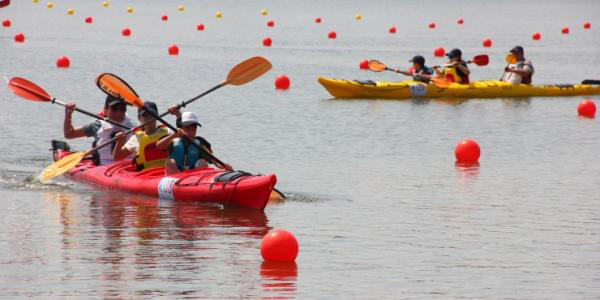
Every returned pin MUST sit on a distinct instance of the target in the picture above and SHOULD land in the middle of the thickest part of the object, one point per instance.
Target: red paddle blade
(118, 88)
(28, 90)
(481, 60)
(4, 3)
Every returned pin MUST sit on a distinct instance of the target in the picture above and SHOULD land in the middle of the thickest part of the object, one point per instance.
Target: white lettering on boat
(165, 188)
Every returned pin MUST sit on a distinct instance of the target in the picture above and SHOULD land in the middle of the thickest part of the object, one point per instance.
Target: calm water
(376, 201)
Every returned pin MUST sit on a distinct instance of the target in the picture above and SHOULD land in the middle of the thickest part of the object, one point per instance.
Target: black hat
(516, 50)
(418, 59)
(454, 53)
(150, 106)
(111, 100)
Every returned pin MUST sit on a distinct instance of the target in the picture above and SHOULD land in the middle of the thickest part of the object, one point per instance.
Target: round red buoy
(6, 23)
(279, 245)
(392, 30)
(63, 62)
(173, 50)
(282, 82)
(586, 108)
(200, 27)
(164, 18)
(19, 37)
(439, 52)
(460, 21)
(318, 20)
(536, 36)
(467, 151)
(587, 25)
(267, 42)
(126, 31)
(271, 23)
(332, 35)
(431, 25)
(487, 43)
(89, 20)
(364, 64)
(565, 30)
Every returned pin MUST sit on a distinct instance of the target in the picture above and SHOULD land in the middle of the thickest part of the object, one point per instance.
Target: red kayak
(199, 185)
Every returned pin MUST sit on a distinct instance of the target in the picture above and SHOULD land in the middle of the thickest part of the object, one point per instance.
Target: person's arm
(464, 69)
(122, 150)
(164, 143)
(526, 70)
(68, 130)
(437, 71)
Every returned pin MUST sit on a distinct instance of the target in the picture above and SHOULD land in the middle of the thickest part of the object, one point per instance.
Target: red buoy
(19, 37)
(565, 30)
(431, 25)
(200, 27)
(364, 64)
(587, 25)
(282, 82)
(392, 30)
(332, 35)
(164, 18)
(586, 108)
(439, 52)
(126, 31)
(6, 23)
(318, 20)
(173, 50)
(487, 43)
(467, 151)
(267, 42)
(536, 36)
(279, 245)
(460, 21)
(89, 20)
(271, 23)
(63, 62)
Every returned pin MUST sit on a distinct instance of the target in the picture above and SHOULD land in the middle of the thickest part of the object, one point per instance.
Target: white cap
(189, 118)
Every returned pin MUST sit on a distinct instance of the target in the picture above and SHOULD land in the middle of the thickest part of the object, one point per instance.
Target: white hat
(189, 118)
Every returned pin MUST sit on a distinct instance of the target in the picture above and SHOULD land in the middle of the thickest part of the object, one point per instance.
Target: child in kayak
(456, 70)
(114, 110)
(183, 156)
(519, 71)
(143, 143)
(421, 72)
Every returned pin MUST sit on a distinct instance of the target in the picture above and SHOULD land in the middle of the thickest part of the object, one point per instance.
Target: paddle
(377, 66)
(480, 60)
(591, 81)
(4, 3)
(29, 90)
(242, 73)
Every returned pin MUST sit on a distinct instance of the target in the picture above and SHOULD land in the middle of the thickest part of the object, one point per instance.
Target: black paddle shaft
(85, 112)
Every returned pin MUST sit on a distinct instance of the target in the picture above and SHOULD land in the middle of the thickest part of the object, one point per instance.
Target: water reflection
(278, 279)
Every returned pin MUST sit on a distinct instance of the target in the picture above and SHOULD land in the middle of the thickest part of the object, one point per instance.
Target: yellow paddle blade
(248, 70)
(117, 87)
(511, 59)
(376, 66)
(61, 166)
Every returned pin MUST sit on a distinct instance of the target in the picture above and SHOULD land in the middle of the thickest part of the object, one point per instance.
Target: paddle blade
(4, 3)
(376, 66)
(248, 70)
(441, 82)
(28, 90)
(117, 87)
(511, 59)
(61, 166)
(481, 60)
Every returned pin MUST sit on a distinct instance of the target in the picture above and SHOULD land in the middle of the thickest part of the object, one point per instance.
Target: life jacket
(148, 155)
(185, 155)
(454, 74)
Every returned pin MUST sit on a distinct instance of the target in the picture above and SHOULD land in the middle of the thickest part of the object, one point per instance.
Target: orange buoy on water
(63, 62)
(19, 37)
(439, 52)
(487, 43)
(587, 25)
(6, 23)
(89, 20)
(271, 23)
(200, 27)
(130, 9)
(49, 5)
(282, 82)
(318, 20)
(126, 31)
(364, 64)
(70, 11)
(565, 30)
(218, 15)
(279, 245)
(173, 50)
(431, 25)
(467, 151)
(263, 12)
(358, 17)
(332, 35)
(460, 21)
(536, 36)
(267, 42)
(586, 108)
(164, 18)
(392, 30)
(104, 4)
(181, 7)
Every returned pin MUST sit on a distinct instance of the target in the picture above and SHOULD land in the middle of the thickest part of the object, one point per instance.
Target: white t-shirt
(103, 131)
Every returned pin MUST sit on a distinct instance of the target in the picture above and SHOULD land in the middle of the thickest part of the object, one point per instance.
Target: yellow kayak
(477, 89)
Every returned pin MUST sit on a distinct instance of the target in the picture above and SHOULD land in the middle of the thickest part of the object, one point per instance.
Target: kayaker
(183, 156)
(421, 72)
(143, 143)
(521, 71)
(114, 110)
(456, 70)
